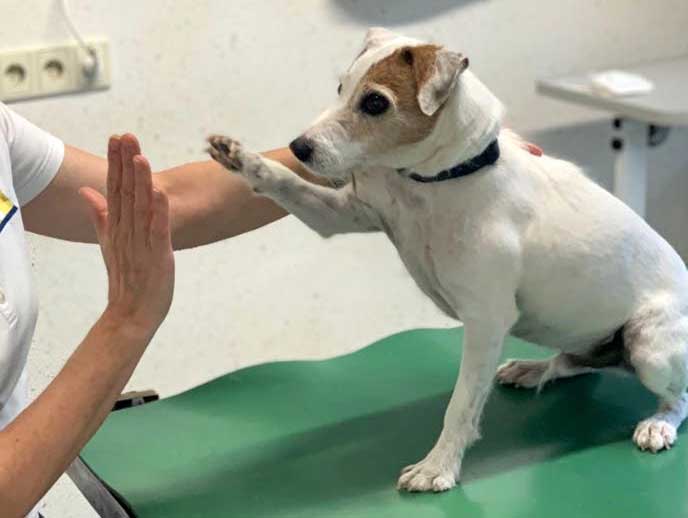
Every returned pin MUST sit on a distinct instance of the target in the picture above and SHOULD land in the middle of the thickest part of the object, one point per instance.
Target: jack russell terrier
(504, 241)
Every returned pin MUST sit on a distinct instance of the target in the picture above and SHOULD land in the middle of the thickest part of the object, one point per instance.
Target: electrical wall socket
(56, 70)
(17, 76)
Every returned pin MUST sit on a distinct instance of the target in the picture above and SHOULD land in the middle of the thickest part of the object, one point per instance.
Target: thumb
(97, 208)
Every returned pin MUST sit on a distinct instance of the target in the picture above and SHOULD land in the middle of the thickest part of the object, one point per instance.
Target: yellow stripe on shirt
(6, 204)
(7, 210)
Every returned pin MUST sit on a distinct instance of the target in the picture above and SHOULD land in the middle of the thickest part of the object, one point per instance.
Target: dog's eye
(339, 89)
(374, 104)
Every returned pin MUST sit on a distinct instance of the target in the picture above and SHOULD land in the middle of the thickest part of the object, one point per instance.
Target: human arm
(134, 235)
(207, 203)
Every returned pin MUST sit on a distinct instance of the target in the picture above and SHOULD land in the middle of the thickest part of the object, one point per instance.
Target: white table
(640, 121)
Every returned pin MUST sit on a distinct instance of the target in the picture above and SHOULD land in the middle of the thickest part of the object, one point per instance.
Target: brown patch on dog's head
(403, 73)
(419, 82)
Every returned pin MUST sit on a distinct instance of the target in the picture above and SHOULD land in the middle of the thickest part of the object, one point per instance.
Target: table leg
(630, 167)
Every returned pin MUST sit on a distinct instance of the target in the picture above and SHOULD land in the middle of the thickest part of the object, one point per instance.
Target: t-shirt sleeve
(36, 155)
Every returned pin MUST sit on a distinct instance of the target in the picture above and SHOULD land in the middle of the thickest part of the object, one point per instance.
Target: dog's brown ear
(436, 70)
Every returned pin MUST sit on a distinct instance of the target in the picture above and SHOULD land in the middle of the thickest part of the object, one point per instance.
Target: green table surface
(328, 438)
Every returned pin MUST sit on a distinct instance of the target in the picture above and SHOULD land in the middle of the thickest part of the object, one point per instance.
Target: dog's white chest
(426, 244)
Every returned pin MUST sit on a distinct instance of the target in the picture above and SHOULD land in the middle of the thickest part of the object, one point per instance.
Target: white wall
(261, 70)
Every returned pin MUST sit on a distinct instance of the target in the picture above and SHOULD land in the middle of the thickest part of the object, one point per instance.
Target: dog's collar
(488, 157)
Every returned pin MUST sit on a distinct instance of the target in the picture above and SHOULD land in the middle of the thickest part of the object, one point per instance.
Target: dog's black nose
(302, 148)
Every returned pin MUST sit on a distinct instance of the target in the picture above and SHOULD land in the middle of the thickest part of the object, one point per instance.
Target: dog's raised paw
(232, 155)
(654, 435)
(425, 476)
(226, 151)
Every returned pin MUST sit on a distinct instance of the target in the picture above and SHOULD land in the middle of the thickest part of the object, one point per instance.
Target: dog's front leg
(325, 210)
(440, 469)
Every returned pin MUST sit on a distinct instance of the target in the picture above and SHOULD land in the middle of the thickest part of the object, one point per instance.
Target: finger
(143, 200)
(129, 149)
(114, 180)
(160, 224)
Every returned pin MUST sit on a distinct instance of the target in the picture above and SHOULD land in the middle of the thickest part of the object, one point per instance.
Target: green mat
(328, 438)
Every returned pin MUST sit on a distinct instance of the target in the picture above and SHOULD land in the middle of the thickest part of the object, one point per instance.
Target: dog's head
(390, 98)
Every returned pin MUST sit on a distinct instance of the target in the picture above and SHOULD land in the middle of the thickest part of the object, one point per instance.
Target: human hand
(133, 229)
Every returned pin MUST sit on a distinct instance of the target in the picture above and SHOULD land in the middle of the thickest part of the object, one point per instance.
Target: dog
(504, 241)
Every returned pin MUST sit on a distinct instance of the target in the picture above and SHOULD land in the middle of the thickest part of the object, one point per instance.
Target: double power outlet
(47, 71)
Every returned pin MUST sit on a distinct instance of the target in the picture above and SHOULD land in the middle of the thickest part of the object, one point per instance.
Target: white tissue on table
(619, 83)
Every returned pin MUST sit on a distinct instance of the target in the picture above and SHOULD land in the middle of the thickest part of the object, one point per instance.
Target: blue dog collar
(488, 157)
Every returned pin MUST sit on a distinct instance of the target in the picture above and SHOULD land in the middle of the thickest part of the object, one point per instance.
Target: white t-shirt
(29, 160)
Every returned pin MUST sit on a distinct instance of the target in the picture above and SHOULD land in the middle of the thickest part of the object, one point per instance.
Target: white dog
(507, 242)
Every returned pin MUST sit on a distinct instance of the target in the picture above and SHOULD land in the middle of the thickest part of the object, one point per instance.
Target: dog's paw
(654, 435)
(425, 476)
(231, 154)
(521, 373)
(227, 152)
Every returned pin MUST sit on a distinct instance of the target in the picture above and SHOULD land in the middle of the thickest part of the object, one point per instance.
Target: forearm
(208, 203)
(39, 445)
(211, 204)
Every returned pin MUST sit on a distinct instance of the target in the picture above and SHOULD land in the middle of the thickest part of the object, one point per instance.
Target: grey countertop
(666, 104)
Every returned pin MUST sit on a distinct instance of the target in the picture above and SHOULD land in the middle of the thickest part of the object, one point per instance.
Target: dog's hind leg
(656, 340)
(659, 431)
(535, 373)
